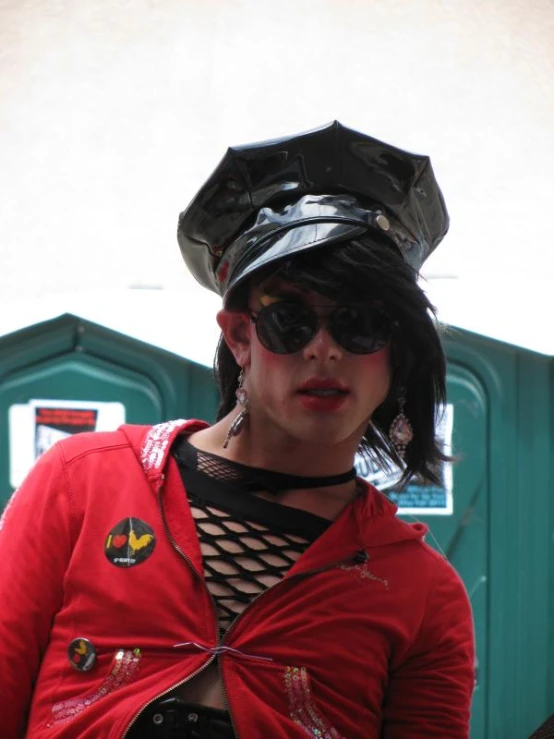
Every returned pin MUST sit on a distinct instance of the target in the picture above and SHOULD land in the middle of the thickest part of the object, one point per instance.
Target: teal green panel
(530, 553)
(549, 452)
(519, 652)
(75, 377)
(188, 389)
(84, 377)
(493, 367)
(71, 359)
(463, 536)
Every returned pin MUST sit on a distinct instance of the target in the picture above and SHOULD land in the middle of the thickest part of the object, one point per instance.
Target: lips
(322, 387)
(323, 395)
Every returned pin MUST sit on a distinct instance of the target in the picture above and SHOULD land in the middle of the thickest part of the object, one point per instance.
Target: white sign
(37, 425)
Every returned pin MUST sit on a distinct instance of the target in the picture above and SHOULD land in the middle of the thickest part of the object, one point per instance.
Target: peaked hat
(268, 200)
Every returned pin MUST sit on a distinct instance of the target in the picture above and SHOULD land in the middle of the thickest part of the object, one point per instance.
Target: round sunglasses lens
(360, 329)
(286, 327)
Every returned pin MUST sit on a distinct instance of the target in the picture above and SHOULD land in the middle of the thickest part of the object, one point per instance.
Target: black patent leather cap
(270, 200)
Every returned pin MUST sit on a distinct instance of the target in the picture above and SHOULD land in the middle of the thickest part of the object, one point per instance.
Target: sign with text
(37, 425)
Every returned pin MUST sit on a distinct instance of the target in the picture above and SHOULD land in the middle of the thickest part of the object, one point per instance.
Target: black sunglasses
(288, 326)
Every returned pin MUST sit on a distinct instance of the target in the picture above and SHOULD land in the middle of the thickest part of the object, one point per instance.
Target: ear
(236, 328)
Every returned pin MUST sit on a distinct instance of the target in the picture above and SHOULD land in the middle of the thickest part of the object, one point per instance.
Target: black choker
(277, 482)
(252, 479)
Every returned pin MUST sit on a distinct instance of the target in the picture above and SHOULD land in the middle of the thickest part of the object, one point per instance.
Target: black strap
(257, 478)
(233, 499)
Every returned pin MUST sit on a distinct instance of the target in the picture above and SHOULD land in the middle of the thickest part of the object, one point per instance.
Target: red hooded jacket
(368, 636)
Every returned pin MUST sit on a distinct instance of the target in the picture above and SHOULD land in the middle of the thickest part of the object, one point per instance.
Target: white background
(112, 113)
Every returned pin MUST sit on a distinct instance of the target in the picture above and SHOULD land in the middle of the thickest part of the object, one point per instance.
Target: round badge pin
(82, 654)
(130, 542)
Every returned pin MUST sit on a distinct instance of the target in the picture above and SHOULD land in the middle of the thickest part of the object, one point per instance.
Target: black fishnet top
(545, 731)
(248, 543)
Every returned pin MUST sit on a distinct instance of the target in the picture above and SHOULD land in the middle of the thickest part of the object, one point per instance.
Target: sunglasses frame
(254, 317)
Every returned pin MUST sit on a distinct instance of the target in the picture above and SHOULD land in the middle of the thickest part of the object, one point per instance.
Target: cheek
(270, 370)
(269, 359)
(378, 360)
(378, 367)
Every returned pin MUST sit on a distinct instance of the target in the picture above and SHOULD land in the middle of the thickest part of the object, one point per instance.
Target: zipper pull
(360, 557)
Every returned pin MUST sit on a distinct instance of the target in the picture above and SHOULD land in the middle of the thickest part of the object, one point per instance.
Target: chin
(323, 433)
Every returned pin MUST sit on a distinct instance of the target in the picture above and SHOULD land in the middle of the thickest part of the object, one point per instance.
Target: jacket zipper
(187, 560)
(299, 576)
(214, 611)
(165, 692)
(221, 641)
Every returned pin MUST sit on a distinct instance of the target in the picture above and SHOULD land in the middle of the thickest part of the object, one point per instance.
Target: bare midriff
(205, 689)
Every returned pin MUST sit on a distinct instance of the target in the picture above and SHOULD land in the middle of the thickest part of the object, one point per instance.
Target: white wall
(112, 113)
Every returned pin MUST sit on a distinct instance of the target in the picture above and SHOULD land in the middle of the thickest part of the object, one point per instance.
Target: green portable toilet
(496, 526)
(499, 537)
(68, 375)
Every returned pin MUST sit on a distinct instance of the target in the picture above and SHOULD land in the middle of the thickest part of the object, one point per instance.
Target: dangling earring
(238, 423)
(401, 432)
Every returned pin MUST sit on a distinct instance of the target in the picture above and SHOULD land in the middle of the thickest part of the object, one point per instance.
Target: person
(238, 579)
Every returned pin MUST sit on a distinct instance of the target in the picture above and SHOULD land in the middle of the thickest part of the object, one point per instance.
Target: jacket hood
(379, 523)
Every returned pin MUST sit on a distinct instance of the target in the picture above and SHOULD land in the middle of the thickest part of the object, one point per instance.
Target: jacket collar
(152, 443)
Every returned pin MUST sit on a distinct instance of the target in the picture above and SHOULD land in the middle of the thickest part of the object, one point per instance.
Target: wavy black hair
(369, 268)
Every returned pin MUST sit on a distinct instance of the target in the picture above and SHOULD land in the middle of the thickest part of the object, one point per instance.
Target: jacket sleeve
(430, 690)
(35, 546)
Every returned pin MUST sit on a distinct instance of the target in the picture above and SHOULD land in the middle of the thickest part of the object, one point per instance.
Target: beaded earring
(401, 432)
(242, 400)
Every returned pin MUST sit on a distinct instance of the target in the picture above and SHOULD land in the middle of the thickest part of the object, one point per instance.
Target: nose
(323, 347)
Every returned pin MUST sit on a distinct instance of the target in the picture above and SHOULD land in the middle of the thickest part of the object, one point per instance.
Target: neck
(255, 447)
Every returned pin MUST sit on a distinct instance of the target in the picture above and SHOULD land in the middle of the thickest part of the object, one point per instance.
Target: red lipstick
(322, 395)
(323, 383)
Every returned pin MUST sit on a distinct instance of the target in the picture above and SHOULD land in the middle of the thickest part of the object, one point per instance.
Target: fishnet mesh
(218, 468)
(241, 558)
(545, 731)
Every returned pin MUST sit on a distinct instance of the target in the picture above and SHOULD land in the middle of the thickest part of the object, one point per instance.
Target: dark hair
(370, 268)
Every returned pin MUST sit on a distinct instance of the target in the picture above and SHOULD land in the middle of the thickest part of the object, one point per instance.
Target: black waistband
(173, 718)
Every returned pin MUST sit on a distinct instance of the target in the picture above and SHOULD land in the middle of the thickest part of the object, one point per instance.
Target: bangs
(345, 274)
